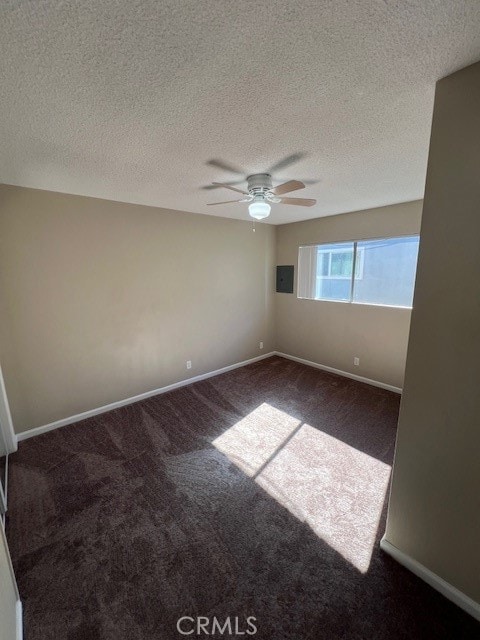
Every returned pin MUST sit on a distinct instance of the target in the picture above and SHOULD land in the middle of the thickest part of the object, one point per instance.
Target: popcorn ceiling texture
(127, 100)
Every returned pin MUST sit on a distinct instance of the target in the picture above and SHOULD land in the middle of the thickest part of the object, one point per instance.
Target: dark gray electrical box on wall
(285, 279)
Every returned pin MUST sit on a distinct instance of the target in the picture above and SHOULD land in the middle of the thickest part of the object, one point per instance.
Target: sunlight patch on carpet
(252, 441)
(336, 489)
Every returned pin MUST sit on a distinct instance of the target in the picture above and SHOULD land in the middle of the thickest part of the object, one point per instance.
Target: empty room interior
(239, 343)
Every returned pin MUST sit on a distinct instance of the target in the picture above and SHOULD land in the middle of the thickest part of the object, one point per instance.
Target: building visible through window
(384, 271)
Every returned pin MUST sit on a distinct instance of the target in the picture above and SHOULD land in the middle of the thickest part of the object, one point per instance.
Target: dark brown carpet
(260, 493)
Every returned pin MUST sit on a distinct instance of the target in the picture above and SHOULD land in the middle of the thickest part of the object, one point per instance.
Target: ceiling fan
(261, 194)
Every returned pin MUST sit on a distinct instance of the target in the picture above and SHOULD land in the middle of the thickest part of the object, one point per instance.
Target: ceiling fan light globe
(259, 210)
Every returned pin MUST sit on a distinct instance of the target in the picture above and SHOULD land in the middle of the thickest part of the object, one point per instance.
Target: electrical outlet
(356, 361)
(189, 364)
(261, 345)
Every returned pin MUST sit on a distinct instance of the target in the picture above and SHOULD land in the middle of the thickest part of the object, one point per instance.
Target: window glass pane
(385, 273)
(334, 271)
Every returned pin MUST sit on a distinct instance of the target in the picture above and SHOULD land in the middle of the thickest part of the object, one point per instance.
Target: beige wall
(332, 333)
(8, 593)
(434, 513)
(103, 300)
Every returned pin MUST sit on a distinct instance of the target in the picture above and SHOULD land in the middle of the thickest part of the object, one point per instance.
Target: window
(384, 271)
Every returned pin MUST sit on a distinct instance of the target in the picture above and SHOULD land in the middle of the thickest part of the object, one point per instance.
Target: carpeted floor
(258, 493)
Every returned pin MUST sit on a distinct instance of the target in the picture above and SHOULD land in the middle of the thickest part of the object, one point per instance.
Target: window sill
(358, 304)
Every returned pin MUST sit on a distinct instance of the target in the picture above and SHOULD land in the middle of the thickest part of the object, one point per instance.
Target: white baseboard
(36, 431)
(19, 620)
(441, 585)
(339, 372)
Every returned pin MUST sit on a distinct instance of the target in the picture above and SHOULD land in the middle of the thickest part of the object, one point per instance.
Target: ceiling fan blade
(209, 187)
(301, 202)
(227, 186)
(209, 204)
(286, 162)
(286, 187)
(224, 166)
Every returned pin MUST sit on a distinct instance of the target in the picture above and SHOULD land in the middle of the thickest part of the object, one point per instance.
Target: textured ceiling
(129, 99)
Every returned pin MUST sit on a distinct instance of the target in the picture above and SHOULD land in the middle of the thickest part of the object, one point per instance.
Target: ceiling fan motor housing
(259, 186)
(259, 182)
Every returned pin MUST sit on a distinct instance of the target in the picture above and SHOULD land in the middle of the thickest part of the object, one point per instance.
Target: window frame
(353, 277)
(360, 252)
